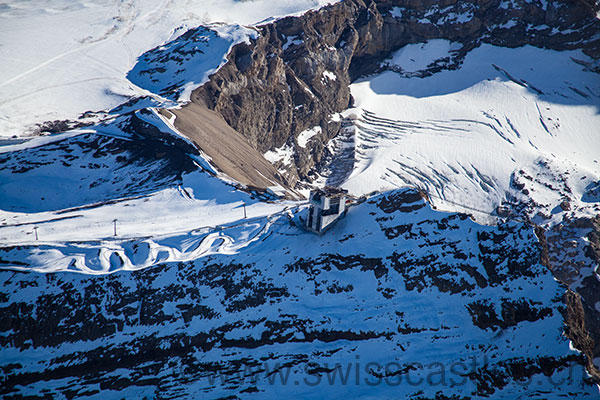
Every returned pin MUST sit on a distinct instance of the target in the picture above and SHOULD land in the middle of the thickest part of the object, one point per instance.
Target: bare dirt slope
(229, 151)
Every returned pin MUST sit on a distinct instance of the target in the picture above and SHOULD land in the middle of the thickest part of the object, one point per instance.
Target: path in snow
(114, 254)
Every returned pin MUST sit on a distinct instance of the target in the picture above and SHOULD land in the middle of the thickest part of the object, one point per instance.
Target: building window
(334, 209)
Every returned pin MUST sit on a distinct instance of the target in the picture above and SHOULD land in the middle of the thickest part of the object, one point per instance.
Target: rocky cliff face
(571, 252)
(295, 75)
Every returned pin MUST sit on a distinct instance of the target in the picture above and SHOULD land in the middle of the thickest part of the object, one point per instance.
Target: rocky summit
(296, 74)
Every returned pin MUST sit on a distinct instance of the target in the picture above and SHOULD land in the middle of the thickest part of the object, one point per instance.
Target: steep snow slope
(462, 135)
(60, 196)
(77, 53)
(180, 66)
(409, 302)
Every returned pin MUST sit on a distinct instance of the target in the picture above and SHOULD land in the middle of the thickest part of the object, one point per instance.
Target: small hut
(327, 205)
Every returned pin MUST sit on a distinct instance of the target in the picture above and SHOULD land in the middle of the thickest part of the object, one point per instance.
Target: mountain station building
(327, 205)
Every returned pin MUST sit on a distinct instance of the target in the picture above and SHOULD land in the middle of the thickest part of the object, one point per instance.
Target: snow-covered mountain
(62, 58)
(395, 293)
(145, 253)
(461, 135)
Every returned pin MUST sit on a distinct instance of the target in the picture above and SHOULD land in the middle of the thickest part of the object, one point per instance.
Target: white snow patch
(283, 154)
(505, 5)
(509, 24)
(537, 28)
(458, 18)
(396, 12)
(292, 41)
(329, 75)
(416, 57)
(337, 117)
(305, 136)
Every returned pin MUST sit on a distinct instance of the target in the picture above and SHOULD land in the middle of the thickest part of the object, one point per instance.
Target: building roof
(330, 191)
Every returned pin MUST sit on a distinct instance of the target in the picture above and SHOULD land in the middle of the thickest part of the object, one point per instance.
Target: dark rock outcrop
(581, 316)
(445, 293)
(295, 76)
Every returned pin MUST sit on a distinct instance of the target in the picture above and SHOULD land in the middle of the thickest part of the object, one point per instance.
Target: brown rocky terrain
(228, 150)
(274, 88)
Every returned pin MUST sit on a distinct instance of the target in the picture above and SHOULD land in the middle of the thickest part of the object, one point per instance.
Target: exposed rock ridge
(580, 319)
(296, 75)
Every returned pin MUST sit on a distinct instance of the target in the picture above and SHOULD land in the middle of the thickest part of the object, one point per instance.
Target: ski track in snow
(109, 256)
(139, 243)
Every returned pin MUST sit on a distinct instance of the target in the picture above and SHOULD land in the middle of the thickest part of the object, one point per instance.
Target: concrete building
(327, 205)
